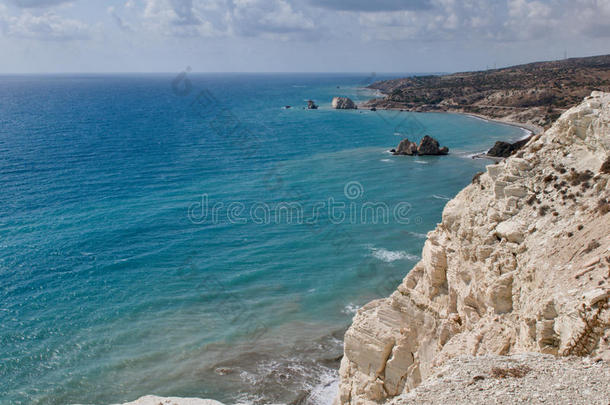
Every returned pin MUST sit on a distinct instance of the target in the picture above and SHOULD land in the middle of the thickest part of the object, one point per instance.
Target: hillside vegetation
(535, 93)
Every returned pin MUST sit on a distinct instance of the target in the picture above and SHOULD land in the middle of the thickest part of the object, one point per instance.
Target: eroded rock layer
(508, 270)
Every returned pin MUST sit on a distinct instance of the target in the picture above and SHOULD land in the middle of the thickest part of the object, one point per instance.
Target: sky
(52, 36)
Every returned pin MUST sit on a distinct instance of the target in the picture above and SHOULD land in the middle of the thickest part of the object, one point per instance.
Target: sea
(205, 235)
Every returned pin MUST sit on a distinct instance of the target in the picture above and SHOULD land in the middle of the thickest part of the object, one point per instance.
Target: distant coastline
(529, 128)
(530, 96)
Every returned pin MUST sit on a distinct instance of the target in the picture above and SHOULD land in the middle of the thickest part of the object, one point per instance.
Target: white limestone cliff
(517, 254)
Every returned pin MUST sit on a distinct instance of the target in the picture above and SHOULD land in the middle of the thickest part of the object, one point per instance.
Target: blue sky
(295, 36)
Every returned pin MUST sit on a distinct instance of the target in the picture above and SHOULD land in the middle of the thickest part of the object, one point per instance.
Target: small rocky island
(343, 103)
(311, 105)
(427, 146)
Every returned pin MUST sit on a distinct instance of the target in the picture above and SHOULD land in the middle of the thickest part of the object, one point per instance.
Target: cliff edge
(519, 263)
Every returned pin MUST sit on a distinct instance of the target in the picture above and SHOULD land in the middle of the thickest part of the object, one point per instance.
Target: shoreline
(532, 129)
(529, 128)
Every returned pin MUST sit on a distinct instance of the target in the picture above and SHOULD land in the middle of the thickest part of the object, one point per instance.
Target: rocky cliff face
(508, 270)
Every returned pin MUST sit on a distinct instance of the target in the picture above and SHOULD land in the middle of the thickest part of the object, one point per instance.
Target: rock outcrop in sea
(311, 105)
(427, 146)
(505, 149)
(343, 103)
(405, 147)
(519, 263)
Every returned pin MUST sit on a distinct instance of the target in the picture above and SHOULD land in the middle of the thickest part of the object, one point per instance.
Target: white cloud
(182, 18)
(123, 26)
(529, 10)
(45, 27)
(276, 18)
(507, 20)
(530, 19)
(592, 17)
(448, 19)
(420, 20)
(368, 5)
(38, 3)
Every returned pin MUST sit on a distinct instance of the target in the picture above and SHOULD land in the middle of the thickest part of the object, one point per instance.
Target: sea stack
(343, 103)
(427, 146)
(311, 105)
(406, 147)
(430, 146)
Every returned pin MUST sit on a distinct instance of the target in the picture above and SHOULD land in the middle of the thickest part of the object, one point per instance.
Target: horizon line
(218, 72)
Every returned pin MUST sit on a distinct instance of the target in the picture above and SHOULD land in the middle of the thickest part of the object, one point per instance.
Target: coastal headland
(532, 96)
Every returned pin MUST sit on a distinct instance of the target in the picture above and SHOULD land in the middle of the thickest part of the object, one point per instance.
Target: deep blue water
(117, 280)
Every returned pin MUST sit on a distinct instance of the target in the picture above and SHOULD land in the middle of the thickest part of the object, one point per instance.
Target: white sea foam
(322, 388)
(440, 197)
(385, 160)
(326, 390)
(417, 235)
(526, 133)
(248, 377)
(471, 155)
(350, 309)
(479, 118)
(390, 256)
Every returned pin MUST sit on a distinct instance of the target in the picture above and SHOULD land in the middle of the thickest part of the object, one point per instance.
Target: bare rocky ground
(530, 378)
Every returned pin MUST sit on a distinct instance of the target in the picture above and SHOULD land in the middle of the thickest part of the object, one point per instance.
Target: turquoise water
(119, 278)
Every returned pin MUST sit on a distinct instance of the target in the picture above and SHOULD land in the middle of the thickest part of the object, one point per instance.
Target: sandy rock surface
(523, 378)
